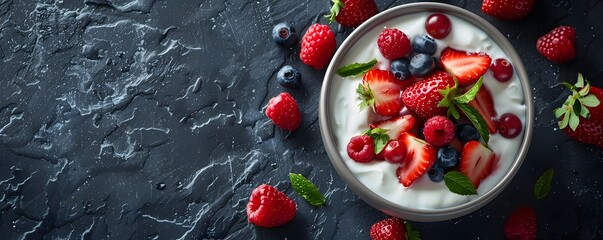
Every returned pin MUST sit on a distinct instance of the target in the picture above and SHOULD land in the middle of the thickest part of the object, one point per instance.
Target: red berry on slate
(438, 25)
(558, 45)
(284, 112)
(502, 70)
(393, 44)
(269, 207)
(509, 125)
(439, 131)
(318, 46)
(388, 229)
(507, 9)
(395, 151)
(361, 148)
(521, 224)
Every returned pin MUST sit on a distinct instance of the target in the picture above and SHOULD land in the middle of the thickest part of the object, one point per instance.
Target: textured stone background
(143, 119)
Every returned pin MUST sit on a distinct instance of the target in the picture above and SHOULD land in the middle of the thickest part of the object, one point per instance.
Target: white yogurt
(348, 121)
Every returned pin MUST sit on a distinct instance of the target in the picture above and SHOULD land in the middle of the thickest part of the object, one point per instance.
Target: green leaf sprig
(356, 68)
(335, 9)
(459, 183)
(411, 234)
(543, 184)
(576, 105)
(379, 137)
(307, 189)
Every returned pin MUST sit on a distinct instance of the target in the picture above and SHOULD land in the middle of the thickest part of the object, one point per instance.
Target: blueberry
(284, 35)
(288, 77)
(447, 157)
(436, 173)
(421, 65)
(424, 44)
(467, 132)
(399, 67)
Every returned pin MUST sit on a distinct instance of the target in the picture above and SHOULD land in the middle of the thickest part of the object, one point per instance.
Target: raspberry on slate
(284, 112)
(521, 224)
(507, 9)
(361, 148)
(558, 45)
(318, 46)
(393, 44)
(268, 207)
(439, 131)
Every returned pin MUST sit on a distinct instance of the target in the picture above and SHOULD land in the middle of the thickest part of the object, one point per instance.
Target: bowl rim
(370, 197)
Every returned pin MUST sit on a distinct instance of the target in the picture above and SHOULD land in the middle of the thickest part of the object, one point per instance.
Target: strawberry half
(420, 156)
(477, 162)
(395, 126)
(382, 91)
(424, 96)
(466, 67)
(484, 104)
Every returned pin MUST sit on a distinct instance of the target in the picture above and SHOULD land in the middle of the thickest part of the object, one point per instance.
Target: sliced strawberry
(466, 67)
(477, 162)
(385, 90)
(395, 126)
(484, 104)
(420, 156)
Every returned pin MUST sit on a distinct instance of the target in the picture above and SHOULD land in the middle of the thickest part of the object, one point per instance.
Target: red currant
(361, 148)
(395, 151)
(438, 25)
(502, 69)
(509, 125)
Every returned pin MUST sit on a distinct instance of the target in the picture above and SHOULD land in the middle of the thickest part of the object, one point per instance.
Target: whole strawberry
(352, 13)
(507, 9)
(521, 224)
(587, 125)
(558, 45)
(388, 229)
(283, 112)
(268, 207)
(318, 46)
(424, 96)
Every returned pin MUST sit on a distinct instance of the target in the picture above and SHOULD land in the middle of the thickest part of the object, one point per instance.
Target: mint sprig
(356, 68)
(543, 184)
(307, 189)
(459, 183)
(380, 138)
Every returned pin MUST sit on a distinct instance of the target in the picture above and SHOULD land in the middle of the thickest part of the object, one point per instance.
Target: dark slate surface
(143, 119)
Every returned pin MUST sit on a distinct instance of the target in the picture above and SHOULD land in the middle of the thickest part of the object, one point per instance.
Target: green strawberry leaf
(307, 189)
(459, 183)
(584, 91)
(477, 120)
(380, 138)
(337, 6)
(565, 120)
(590, 101)
(543, 184)
(574, 120)
(470, 95)
(580, 81)
(356, 68)
(559, 112)
(366, 97)
(411, 234)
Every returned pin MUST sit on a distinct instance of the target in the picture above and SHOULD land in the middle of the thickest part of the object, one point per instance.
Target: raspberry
(361, 148)
(318, 46)
(268, 207)
(393, 44)
(283, 111)
(439, 131)
(558, 45)
(388, 229)
(521, 224)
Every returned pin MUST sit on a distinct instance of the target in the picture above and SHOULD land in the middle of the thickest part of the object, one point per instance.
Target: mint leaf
(307, 189)
(543, 184)
(459, 183)
(379, 137)
(476, 119)
(470, 95)
(356, 68)
(411, 234)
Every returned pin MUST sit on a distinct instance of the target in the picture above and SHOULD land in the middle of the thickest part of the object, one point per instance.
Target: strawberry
(318, 46)
(521, 224)
(381, 90)
(424, 96)
(587, 125)
(507, 9)
(558, 45)
(477, 162)
(420, 156)
(388, 229)
(484, 104)
(352, 13)
(395, 126)
(466, 67)
(269, 207)
(283, 112)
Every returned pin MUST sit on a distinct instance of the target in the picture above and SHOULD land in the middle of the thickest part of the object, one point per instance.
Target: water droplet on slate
(160, 186)
(273, 165)
(179, 186)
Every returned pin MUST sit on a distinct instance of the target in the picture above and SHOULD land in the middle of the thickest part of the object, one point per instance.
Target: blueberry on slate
(421, 65)
(436, 173)
(284, 35)
(424, 44)
(467, 132)
(288, 77)
(399, 67)
(447, 157)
